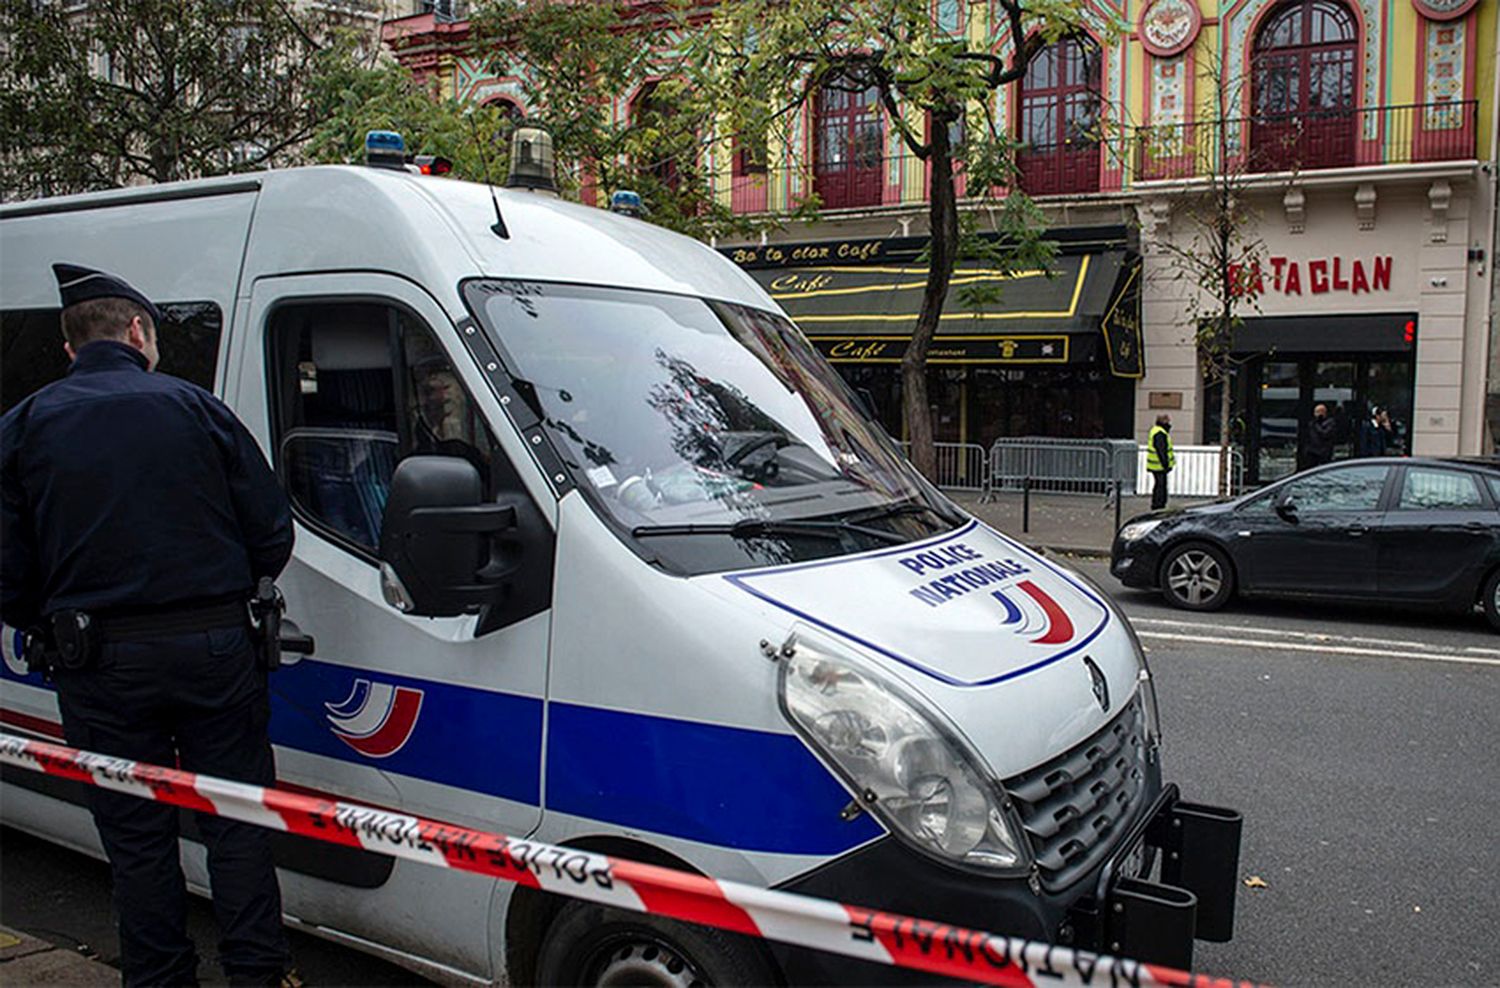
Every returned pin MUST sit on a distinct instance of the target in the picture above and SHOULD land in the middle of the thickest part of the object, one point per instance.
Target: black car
(1419, 532)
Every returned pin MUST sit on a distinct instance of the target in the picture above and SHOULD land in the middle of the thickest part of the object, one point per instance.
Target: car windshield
(687, 416)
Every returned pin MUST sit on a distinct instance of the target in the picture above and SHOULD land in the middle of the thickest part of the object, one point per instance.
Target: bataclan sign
(1318, 276)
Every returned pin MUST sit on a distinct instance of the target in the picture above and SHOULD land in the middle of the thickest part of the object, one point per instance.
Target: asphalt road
(1359, 744)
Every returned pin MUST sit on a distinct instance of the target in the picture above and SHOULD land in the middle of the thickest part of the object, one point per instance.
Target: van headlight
(910, 772)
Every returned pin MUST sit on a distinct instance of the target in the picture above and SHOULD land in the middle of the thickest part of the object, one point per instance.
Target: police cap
(79, 284)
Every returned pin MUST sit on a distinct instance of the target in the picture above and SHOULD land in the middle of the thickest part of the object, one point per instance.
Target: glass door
(1277, 417)
(1281, 397)
(1333, 389)
(1388, 387)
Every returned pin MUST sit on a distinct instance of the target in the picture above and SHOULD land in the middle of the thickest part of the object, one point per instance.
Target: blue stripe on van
(473, 739)
(752, 790)
(727, 786)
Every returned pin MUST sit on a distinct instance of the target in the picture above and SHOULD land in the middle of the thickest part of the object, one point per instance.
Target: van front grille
(1074, 807)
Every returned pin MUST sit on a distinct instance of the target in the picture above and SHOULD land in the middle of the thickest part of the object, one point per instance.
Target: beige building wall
(1424, 220)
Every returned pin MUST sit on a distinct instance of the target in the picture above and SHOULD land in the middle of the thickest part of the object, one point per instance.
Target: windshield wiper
(895, 510)
(751, 528)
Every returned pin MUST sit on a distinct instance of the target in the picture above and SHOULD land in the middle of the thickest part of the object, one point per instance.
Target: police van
(595, 547)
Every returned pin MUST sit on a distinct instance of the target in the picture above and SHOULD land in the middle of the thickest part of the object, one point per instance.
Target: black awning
(859, 306)
(1382, 332)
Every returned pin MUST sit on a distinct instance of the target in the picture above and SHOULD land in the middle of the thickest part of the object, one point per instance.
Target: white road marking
(1329, 649)
(1318, 636)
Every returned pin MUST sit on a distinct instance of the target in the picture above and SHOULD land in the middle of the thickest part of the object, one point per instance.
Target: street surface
(1359, 743)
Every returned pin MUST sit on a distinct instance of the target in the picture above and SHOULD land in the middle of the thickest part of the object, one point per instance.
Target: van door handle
(1477, 526)
(1357, 530)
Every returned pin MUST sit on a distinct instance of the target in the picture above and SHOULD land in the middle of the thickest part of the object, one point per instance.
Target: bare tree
(1220, 256)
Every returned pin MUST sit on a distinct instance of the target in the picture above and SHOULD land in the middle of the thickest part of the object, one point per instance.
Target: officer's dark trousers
(197, 701)
(1158, 489)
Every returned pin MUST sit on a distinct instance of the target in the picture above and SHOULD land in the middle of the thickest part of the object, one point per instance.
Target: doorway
(1274, 398)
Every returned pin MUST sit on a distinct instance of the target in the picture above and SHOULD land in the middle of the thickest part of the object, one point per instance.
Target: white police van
(595, 547)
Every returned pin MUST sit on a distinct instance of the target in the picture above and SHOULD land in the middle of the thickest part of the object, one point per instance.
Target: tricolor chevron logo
(1034, 612)
(376, 719)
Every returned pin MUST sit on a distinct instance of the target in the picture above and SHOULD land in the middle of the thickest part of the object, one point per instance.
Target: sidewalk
(1081, 524)
(25, 960)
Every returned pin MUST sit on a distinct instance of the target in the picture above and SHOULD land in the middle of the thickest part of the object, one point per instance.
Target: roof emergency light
(627, 203)
(433, 164)
(531, 163)
(385, 149)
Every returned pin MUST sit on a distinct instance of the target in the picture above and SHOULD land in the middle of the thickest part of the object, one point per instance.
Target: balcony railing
(1059, 169)
(1379, 135)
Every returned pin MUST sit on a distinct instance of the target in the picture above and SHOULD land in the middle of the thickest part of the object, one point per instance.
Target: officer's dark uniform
(140, 499)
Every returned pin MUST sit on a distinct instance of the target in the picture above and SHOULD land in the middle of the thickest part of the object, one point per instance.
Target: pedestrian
(1160, 459)
(138, 514)
(1322, 433)
(1374, 433)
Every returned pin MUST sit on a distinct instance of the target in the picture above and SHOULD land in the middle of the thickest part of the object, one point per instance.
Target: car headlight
(911, 773)
(1138, 529)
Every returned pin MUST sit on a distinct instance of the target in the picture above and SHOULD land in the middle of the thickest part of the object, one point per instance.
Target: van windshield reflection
(686, 416)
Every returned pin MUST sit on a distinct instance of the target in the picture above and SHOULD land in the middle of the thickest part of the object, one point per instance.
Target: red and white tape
(870, 935)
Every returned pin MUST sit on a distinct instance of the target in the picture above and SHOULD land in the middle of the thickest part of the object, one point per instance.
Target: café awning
(858, 302)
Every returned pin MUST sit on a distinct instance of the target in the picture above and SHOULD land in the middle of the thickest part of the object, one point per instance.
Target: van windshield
(690, 417)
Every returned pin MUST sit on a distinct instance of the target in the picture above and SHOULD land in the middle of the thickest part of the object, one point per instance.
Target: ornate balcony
(1378, 135)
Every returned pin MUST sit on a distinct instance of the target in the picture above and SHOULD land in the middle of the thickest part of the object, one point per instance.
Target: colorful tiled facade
(1394, 159)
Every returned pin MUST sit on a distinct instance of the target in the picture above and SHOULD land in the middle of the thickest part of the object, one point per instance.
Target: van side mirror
(438, 541)
(1286, 508)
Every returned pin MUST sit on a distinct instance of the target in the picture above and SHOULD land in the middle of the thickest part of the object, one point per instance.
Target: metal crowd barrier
(821, 924)
(1059, 466)
(1196, 473)
(960, 466)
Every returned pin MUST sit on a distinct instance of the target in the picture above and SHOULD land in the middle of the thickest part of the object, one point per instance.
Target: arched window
(1059, 119)
(511, 116)
(1302, 86)
(849, 146)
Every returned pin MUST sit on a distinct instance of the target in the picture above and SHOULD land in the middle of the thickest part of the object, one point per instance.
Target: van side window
(359, 386)
(31, 347)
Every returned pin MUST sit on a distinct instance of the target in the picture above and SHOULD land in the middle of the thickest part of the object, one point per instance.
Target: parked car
(1420, 532)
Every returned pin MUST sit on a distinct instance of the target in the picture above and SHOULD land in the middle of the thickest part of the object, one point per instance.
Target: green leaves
(167, 90)
(351, 97)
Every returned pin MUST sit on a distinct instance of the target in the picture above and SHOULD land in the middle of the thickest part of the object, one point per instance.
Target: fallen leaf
(1256, 882)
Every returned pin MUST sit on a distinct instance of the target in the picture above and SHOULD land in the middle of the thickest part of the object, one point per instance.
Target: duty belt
(167, 623)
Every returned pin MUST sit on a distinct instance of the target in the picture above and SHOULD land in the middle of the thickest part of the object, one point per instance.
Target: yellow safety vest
(1153, 462)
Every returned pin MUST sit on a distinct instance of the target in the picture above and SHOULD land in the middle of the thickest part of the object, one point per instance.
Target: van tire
(1490, 598)
(587, 940)
(1197, 576)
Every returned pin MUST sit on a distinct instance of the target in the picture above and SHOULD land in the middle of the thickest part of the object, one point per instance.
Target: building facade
(1360, 136)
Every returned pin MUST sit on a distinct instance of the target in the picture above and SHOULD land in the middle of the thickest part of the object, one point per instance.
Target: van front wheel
(593, 945)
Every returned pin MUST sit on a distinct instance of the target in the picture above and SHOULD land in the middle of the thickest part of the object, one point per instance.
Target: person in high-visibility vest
(1160, 459)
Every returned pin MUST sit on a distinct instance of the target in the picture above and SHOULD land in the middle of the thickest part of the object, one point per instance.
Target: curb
(1086, 552)
(26, 960)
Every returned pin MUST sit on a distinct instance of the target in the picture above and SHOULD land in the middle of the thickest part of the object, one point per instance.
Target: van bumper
(1185, 891)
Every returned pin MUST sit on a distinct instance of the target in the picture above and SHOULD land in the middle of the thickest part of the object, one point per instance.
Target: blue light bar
(627, 203)
(386, 141)
(385, 149)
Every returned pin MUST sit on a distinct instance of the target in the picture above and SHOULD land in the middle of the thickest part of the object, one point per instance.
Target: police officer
(1160, 459)
(138, 514)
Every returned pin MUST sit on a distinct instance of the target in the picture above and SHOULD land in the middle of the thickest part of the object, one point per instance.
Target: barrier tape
(871, 935)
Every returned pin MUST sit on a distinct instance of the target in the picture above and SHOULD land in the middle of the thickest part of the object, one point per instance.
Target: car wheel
(1197, 577)
(594, 945)
(1491, 599)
